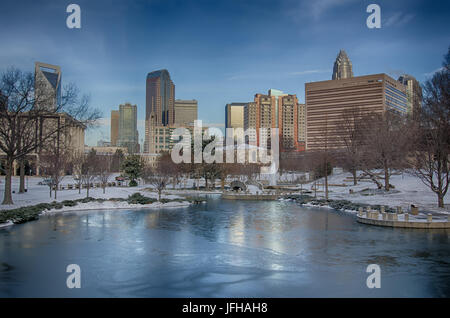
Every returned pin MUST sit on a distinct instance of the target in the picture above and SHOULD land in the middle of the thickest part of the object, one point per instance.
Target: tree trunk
(326, 182)
(440, 200)
(22, 176)
(56, 190)
(159, 195)
(104, 189)
(355, 181)
(386, 178)
(7, 198)
(206, 183)
(79, 187)
(50, 190)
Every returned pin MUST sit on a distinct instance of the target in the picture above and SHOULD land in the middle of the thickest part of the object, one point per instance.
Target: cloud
(398, 19)
(309, 72)
(318, 7)
(432, 72)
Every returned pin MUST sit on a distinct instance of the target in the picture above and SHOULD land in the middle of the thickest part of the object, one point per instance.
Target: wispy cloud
(398, 19)
(308, 72)
(318, 7)
(432, 72)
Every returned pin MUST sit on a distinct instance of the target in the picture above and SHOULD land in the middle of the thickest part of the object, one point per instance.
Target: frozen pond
(221, 249)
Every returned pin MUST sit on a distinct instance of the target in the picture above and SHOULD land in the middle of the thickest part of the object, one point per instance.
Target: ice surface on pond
(220, 249)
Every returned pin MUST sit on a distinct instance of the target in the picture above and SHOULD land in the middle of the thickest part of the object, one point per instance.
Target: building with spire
(342, 66)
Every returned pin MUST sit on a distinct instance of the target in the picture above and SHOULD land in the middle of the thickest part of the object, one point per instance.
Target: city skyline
(215, 61)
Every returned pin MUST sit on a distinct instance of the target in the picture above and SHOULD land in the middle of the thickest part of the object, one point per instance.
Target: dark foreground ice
(221, 249)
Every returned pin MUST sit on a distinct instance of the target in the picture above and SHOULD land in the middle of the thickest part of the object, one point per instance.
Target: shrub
(133, 183)
(137, 198)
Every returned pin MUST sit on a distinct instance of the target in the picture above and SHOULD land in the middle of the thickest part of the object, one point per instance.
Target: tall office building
(160, 98)
(342, 66)
(114, 127)
(234, 116)
(47, 81)
(185, 112)
(274, 110)
(128, 133)
(326, 101)
(413, 93)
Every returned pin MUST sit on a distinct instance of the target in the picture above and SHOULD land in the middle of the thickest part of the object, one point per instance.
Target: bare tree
(386, 140)
(78, 159)
(104, 169)
(30, 118)
(55, 159)
(89, 170)
(160, 175)
(430, 160)
(350, 132)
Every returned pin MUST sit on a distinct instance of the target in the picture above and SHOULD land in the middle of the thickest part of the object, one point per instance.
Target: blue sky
(218, 51)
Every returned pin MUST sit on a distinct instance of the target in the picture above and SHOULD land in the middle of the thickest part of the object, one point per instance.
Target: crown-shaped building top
(342, 66)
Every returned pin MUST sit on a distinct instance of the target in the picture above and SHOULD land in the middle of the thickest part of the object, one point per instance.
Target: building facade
(160, 102)
(185, 112)
(47, 81)
(342, 67)
(234, 116)
(114, 127)
(413, 93)
(128, 133)
(326, 102)
(274, 110)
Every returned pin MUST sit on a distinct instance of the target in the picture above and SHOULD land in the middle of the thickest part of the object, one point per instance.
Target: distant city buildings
(185, 112)
(114, 127)
(128, 133)
(342, 66)
(413, 93)
(47, 79)
(326, 102)
(160, 98)
(103, 143)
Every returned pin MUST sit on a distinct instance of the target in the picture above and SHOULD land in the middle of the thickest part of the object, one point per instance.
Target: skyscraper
(114, 127)
(185, 112)
(47, 81)
(342, 66)
(128, 134)
(160, 97)
(413, 93)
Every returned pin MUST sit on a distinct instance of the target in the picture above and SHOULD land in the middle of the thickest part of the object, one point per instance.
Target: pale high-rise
(185, 112)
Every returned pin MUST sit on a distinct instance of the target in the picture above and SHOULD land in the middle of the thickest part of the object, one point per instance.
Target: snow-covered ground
(40, 194)
(408, 190)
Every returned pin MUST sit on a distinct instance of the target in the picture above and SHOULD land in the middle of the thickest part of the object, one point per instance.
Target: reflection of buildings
(413, 93)
(128, 133)
(326, 101)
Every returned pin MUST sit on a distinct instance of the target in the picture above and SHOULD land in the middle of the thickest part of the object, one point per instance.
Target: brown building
(114, 127)
(274, 110)
(185, 111)
(326, 102)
